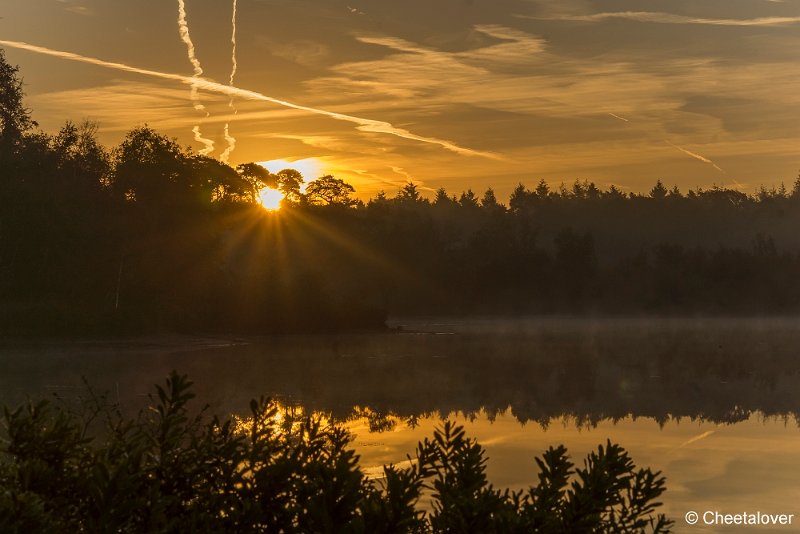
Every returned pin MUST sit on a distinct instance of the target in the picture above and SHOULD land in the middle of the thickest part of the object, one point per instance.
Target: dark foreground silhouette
(169, 471)
(151, 237)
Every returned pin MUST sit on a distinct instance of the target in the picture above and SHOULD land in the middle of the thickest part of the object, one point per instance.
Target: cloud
(531, 81)
(669, 18)
(304, 52)
(326, 142)
(363, 124)
(516, 77)
(121, 105)
(544, 104)
(516, 47)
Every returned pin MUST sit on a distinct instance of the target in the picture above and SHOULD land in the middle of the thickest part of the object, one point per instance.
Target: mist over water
(591, 369)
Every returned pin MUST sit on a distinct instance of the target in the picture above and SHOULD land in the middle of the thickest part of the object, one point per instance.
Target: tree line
(149, 236)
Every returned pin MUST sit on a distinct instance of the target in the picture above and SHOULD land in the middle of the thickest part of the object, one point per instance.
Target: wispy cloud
(402, 172)
(516, 47)
(119, 105)
(669, 18)
(326, 142)
(363, 124)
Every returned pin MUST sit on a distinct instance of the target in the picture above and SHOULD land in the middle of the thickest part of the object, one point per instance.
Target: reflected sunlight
(270, 199)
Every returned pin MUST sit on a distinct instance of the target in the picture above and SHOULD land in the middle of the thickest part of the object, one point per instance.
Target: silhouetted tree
(409, 193)
(150, 169)
(521, 199)
(257, 177)
(468, 199)
(659, 192)
(15, 119)
(289, 182)
(328, 190)
(441, 198)
(489, 202)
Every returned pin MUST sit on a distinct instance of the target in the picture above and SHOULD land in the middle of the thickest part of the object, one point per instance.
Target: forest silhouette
(150, 236)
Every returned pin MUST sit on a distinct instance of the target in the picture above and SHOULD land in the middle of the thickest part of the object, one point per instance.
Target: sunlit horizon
(270, 198)
(310, 168)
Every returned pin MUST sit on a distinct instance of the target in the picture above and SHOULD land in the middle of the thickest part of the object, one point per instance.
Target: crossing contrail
(183, 30)
(228, 137)
(364, 125)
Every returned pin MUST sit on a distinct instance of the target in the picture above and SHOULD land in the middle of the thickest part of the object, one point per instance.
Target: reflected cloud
(697, 438)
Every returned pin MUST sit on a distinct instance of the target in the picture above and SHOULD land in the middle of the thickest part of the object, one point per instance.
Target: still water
(710, 403)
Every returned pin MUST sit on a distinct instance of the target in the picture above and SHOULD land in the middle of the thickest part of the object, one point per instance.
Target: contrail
(231, 140)
(183, 30)
(364, 125)
(695, 156)
(207, 143)
(233, 45)
(228, 137)
(687, 152)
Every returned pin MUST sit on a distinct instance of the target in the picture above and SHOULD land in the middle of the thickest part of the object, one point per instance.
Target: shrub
(167, 471)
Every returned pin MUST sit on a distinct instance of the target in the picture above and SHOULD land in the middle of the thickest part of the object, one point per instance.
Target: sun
(270, 199)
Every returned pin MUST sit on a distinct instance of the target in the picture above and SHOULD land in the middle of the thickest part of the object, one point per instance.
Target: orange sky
(456, 93)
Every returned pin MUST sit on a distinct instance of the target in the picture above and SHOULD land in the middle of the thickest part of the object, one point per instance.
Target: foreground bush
(166, 471)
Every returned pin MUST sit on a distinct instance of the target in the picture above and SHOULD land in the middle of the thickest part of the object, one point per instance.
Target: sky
(448, 93)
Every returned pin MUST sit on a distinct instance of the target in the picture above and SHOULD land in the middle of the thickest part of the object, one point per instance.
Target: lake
(712, 403)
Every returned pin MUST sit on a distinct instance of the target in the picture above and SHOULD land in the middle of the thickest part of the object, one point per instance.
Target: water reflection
(750, 465)
(589, 371)
(712, 403)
